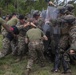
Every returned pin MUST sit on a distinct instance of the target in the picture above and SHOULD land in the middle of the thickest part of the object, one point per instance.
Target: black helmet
(21, 17)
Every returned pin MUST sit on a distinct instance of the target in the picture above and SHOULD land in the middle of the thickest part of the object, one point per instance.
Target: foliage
(21, 6)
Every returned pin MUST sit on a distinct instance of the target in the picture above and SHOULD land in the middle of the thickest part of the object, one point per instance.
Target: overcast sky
(67, 0)
(63, 0)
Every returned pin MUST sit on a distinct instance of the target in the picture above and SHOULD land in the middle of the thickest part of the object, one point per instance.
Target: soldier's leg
(64, 45)
(29, 67)
(57, 62)
(66, 63)
(6, 47)
(47, 43)
(57, 54)
(54, 45)
(32, 57)
(21, 47)
(32, 54)
(14, 46)
(40, 52)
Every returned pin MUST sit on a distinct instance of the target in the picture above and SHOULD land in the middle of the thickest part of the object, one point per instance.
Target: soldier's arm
(73, 40)
(26, 39)
(7, 27)
(22, 26)
(72, 52)
(32, 24)
(44, 37)
(51, 4)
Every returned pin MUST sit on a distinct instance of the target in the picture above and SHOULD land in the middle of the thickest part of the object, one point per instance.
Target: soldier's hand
(51, 3)
(26, 40)
(26, 24)
(45, 37)
(72, 52)
(33, 24)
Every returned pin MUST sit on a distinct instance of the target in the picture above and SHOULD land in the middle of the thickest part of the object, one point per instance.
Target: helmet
(61, 21)
(69, 19)
(61, 9)
(21, 17)
(69, 7)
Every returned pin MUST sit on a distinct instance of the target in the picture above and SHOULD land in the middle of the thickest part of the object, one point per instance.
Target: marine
(35, 44)
(21, 45)
(8, 44)
(64, 45)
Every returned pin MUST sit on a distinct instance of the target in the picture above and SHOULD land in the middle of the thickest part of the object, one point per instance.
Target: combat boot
(55, 70)
(68, 72)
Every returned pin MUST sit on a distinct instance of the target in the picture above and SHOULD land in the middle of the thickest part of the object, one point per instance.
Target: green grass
(9, 67)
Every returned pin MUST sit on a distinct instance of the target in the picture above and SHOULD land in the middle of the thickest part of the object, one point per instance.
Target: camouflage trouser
(61, 54)
(6, 47)
(14, 46)
(21, 45)
(35, 51)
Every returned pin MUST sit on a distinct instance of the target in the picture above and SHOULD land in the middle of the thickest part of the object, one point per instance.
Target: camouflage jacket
(72, 34)
(22, 30)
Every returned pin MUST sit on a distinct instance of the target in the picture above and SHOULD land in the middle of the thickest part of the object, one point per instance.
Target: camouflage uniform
(70, 9)
(35, 46)
(37, 20)
(64, 44)
(72, 34)
(21, 39)
(9, 44)
(40, 23)
(2, 21)
(55, 37)
(6, 42)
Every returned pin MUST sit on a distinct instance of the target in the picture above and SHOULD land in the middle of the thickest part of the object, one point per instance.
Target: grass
(0, 42)
(9, 67)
